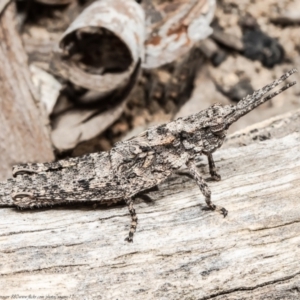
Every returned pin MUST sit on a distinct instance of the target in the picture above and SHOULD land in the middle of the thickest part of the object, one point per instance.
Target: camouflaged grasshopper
(135, 165)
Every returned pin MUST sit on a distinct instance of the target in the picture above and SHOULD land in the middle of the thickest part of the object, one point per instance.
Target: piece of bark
(39, 48)
(24, 133)
(48, 87)
(212, 51)
(102, 46)
(79, 125)
(183, 23)
(83, 121)
(292, 19)
(3, 3)
(289, 16)
(101, 53)
(181, 250)
(228, 40)
(42, 27)
(55, 2)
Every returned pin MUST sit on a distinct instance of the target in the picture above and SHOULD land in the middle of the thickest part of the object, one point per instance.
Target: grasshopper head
(216, 118)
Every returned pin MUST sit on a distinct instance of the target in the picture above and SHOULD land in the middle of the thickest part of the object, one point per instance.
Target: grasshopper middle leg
(205, 189)
(212, 168)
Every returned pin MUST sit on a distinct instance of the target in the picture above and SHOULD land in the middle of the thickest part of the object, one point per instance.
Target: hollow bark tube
(101, 48)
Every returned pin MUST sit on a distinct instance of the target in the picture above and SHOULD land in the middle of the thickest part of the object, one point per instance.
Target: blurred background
(78, 76)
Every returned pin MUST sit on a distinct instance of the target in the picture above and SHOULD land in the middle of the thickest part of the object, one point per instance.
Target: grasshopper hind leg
(134, 220)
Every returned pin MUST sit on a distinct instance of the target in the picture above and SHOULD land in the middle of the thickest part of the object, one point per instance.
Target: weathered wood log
(24, 135)
(181, 250)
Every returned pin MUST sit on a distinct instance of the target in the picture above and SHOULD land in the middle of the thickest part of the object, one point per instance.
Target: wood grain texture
(23, 135)
(275, 127)
(181, 250)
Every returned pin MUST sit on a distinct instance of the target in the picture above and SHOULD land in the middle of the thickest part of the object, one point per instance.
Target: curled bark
(101, 51)
(101, 48)
(82, 122)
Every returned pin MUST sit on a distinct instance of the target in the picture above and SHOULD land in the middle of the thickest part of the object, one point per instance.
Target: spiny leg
(204, 189)
(212, 168)
(134, 220)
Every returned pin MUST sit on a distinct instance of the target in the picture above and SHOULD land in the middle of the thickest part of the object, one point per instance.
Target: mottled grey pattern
(134, 165)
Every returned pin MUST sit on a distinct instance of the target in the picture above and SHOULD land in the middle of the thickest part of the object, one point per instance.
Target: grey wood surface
(180, 250)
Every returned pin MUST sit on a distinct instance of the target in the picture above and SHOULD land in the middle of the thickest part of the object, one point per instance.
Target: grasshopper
(134, 165)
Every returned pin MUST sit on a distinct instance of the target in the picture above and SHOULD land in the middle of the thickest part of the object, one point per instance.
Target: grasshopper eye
(218, 126)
